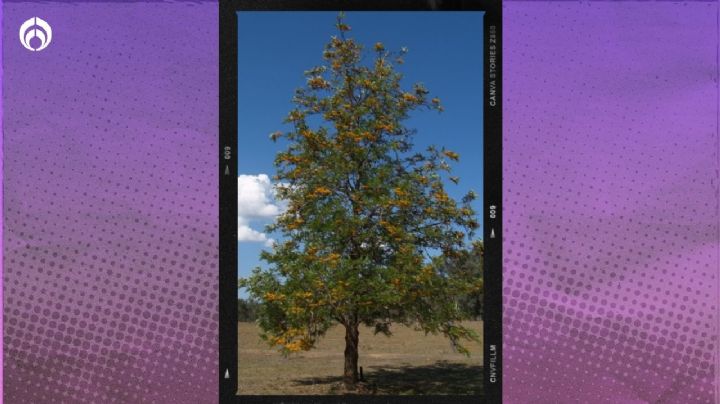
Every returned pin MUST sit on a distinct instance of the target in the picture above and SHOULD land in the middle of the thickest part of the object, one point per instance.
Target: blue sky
(274, 48)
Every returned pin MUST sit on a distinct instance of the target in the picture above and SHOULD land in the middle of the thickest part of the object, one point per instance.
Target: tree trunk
(350, 376)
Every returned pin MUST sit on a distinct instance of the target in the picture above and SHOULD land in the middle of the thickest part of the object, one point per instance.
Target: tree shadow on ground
(441, 378)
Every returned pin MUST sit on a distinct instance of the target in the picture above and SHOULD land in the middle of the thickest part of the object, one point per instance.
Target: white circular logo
(33, 28)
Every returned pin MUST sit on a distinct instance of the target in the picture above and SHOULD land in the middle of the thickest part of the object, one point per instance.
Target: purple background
(610, 203)
(111, 204)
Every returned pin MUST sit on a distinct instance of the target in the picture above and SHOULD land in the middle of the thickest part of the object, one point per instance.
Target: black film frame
(492, 193)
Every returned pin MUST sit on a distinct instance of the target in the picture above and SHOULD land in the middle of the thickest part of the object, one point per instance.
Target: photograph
(359, 202)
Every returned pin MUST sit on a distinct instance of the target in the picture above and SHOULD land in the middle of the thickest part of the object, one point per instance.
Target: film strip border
(492, 193)
(492, 224)
(228, 166)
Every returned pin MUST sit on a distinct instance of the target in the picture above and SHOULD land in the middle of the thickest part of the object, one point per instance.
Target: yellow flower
(296, 224)
(332, 257)
(441, 196)
(271, 297)
(451, 155)
(392, 230)
(293, 346)
(385, 126)
(318, 82)
(379, 47)
(322, 191)
(409, 97)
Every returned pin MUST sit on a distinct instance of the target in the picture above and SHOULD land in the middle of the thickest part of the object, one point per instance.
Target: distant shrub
(247, 311)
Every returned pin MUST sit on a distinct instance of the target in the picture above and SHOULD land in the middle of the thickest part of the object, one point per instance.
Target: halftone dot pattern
(110, 213)
(610, 202)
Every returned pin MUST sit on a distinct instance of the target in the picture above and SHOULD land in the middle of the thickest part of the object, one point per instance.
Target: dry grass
(407, 363)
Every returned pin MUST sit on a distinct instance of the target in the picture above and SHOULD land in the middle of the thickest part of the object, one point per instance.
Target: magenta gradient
(610, 202)
(110, 237)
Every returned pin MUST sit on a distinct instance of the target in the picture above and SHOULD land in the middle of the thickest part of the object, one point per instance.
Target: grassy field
(408, 363)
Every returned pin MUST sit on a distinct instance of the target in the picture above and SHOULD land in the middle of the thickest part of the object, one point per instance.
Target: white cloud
(246, 233)
(256, 201)
(256, 197)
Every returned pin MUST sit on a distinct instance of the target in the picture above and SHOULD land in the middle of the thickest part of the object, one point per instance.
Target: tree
(467, 264)
(366, 213)
(247, 310)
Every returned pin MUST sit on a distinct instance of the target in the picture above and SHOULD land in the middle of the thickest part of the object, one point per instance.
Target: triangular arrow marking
(492, 233)
(227, 373)
(227, 170)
